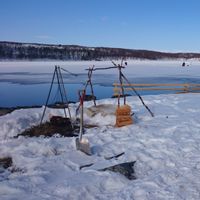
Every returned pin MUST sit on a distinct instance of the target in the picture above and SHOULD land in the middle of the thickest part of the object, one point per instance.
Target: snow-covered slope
(32, 51)
(166, 149)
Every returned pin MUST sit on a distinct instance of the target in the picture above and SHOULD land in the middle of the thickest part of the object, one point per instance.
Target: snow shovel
(82, 144)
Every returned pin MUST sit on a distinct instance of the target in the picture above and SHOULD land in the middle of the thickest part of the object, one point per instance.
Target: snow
(166, 149)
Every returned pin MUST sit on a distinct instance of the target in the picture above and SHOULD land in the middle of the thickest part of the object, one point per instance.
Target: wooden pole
(121, 82)
(64, 93)
(59, 87)
(89, 81)
(48, 96)
(138, 96)
(122, 76)
(91, 86)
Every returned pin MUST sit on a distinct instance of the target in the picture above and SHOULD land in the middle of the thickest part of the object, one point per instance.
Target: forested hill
(32, 51)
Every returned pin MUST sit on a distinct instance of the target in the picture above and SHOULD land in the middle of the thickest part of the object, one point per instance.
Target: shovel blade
(83, 145)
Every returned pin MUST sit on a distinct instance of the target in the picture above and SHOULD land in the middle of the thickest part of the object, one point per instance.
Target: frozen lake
(27, 83)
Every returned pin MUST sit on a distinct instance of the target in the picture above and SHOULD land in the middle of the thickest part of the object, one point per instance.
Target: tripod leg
(48, 96)
(92, 93)
(137, 95)
(64, 93)
(59, 86)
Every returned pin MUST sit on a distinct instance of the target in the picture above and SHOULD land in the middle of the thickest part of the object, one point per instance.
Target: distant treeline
(31, 51)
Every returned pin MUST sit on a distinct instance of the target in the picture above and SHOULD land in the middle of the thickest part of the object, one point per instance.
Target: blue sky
(165, 25)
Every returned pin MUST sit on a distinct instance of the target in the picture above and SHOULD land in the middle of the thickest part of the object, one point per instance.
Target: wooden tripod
(89, 82)
(57, 74)
(121, 79)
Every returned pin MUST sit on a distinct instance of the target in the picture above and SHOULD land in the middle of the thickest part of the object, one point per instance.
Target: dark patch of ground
(7, 168)
(6, 162)
(5, 110)
(125, 169)
(49, 129)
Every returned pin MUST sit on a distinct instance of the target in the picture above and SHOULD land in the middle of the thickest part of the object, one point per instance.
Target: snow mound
(102, 114)
(165, 147)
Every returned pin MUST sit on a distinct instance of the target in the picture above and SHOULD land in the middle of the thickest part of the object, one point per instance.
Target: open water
(31, 89)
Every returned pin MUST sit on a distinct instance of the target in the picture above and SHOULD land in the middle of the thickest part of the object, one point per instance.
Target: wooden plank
(147, 89)
(195, 88)
(194, 84)
(154, 84)
(181, 87)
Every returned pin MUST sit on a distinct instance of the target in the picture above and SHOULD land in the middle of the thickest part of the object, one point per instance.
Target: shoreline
(7, 110)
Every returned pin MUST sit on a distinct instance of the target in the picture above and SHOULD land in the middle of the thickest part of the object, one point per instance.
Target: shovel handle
(81, 96)
(81, 114)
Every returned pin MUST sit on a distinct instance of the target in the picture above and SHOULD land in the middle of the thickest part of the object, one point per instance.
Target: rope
(103, 68)
(73, 74)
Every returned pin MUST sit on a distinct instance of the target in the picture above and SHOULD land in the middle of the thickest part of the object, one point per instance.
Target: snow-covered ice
(137, 68)
(166, 149)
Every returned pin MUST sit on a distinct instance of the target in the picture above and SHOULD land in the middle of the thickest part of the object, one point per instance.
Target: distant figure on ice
(183, 64)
